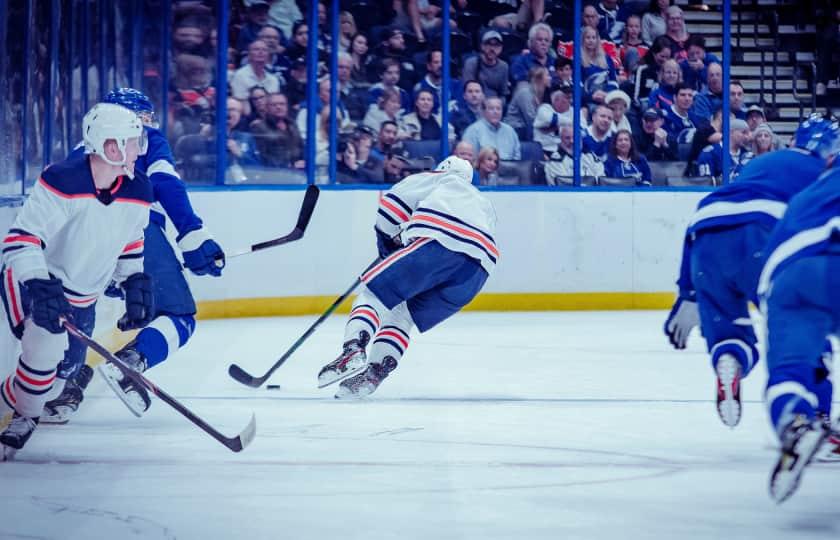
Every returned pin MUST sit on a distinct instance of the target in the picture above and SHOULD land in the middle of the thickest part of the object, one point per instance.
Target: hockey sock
(745, 353)
(28, 389)
(364, 317)
(163, 337)
(393, 336)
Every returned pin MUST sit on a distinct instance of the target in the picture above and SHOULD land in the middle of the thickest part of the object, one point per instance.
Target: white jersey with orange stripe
(80, 235)
(441, 206)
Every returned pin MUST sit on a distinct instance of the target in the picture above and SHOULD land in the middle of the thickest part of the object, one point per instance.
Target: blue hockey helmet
(819, 134)
(136, 101)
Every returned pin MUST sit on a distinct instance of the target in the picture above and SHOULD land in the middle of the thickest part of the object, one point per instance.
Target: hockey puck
(273, 387)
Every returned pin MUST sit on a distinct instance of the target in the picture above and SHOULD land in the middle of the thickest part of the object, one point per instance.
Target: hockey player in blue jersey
(722, 256)
(175, 318)
(710, 160)
(799, 287)
(81, 227)
(434, 233)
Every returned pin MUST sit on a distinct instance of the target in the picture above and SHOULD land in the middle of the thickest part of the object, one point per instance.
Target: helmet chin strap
(122, 163)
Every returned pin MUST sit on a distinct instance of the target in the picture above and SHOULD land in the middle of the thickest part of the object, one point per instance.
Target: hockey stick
(236, 443)
(255, 382)
(310, 198)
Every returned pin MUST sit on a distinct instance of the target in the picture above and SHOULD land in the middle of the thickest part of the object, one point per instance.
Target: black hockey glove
(386, 244)
(48, 303)
(139, 302)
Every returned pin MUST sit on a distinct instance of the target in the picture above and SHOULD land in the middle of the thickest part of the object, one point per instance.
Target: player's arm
(395, 208)
(684, 315)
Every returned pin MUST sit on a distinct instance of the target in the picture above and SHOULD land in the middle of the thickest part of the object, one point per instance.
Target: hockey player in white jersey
(435, 235)
(81, 227)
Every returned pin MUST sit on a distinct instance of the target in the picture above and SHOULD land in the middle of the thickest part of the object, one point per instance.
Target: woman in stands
(676, 32)
(347, 166)
(624, 160)
(387, 107)
(647, 75)
(632, 48)
(653, 21)
(763, 140)
(527, 97)
(670, 75)
(422, 125)
(488, 166)
(346, 30)
(257, 104)
(598, 70)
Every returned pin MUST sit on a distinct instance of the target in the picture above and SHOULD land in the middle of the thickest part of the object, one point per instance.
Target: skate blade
(323, 382)
(8, 453)
(117, 389)
(729, 408)
(785, 480)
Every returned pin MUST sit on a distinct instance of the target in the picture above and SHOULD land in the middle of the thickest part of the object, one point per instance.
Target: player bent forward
(81, 227)
(435, 233)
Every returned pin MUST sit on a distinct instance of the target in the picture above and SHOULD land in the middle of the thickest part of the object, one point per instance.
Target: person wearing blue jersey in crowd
(710, 161)
(596, 139)
(722, 254)
(175, 307)
(624, 160)
(678, 123)
(800, 298)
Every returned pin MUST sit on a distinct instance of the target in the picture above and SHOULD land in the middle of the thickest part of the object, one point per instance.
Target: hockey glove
(202, 255)
(139, 302)
(683, 317)
(386, 244)
(48, 303)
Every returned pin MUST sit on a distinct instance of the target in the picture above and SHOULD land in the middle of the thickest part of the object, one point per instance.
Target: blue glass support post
(24, 113)
(577, 104)
(52, 85)
(135, 56)
(333, 90)
(5, 140)
(222, 15)
(446, 55)
(311, 89)
(103, 52)
(68, 90)
(165, 39)
(84, 67)
(111, 21)
(727, 59)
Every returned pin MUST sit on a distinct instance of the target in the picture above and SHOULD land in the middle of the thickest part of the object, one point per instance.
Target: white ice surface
(495, 426)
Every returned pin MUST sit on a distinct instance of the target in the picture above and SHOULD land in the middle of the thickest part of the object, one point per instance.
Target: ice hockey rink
(580, 425)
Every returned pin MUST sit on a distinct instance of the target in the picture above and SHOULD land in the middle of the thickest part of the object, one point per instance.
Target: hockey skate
(800, 442)
(15, 435)
(729, 390)
(366, 382)
(352, 359)
(132, 394)
(60, 409)
(830, 451)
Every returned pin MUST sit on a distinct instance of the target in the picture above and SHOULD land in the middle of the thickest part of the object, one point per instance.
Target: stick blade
(246, 436)
(239, 375)
(310, 199)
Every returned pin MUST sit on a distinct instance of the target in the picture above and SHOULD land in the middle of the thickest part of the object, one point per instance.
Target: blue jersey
(599, 148)
(638, 170)
(681, 128)
(710, 162)
(169, 190)
(809, 227)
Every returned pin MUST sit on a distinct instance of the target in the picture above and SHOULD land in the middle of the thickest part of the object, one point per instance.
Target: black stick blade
(239, 375)
(310, 199)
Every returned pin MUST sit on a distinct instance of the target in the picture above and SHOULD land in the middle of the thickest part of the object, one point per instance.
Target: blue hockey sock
(745, 353)
(163, 337)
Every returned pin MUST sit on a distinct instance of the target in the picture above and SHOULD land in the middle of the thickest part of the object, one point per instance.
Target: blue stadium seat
(531, 151)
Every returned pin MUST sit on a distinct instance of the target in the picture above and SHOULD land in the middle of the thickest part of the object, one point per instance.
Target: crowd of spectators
(651, 91)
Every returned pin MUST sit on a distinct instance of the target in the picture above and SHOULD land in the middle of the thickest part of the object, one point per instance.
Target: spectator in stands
(342, 118)
(678, 123)
(322, 139)
(708, 101)
(297, 44)
(652, 140)
(597, 138)
(670, 76)
(624, 161)
(676, 32)
(277, 137)
(590, 17)
(254, 73)
(194, 100)
(653, 21)
(707, 134)
(755, 117)
(467, 110)
(828, 42)
(389, 76)
(433, 80)
(522, 108)
(352, 98)
(487, 67)
(282, 14)
(426, 18)
(763, 140)
(387, 142)
(491, 131)
(513, 14)
(539, 46)
(619, 102)
(647, 74)
(387, 108)
(632, 49)
(736, 100)
(241, 146)
(551, 116)
(597, 69)
(346, 30)
(609, 25)
(277, 64)
(393, 47)
(487, 166)
(190, 36)
(296, 84)
(393, 167)
(696, 62)
(710, 162)
(370, 169)
(257, 18)
(257, 104)
(590, 20)
(465, 150)
(347, 167)
(559, 169)
(361, 60)
(563, 71)
(422, 124)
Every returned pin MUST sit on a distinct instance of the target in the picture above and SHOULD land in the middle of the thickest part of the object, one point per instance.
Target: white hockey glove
(683, 317)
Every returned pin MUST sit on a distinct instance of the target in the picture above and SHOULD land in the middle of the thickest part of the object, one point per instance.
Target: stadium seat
(422, 149)
(531, 151)
(516, 173)
(570, 181)
(662, 170)
(609, 181)
(690, 180)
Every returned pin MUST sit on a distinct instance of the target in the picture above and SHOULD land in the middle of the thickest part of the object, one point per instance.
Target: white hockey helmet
(106, 121)
(457, 166)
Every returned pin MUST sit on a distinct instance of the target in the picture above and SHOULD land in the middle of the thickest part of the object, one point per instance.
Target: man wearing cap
(678, 123)
(710, 162)
(652, 140)
(550, 117)
(487, 68)
(393, 46)
(254, 73)
(755, 117)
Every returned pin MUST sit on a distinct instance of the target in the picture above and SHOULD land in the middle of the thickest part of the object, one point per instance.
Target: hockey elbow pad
(202, 254)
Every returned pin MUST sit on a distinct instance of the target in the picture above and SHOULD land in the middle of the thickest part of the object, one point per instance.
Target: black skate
(60, 409)
(351, 360)
(15, 435)
(800, 442)
(729, 390)
(132, 394)
(366, 382)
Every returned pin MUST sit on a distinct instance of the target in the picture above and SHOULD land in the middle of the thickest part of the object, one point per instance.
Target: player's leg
(363, 322)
